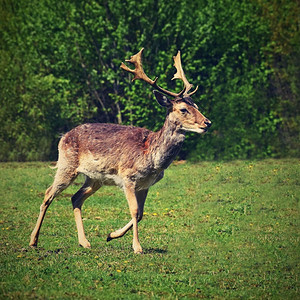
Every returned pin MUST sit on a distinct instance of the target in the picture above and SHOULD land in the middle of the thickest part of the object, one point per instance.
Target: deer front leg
(141, 198)
(134, 211)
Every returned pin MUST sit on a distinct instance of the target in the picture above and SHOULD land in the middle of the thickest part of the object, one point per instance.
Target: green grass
(211, 230)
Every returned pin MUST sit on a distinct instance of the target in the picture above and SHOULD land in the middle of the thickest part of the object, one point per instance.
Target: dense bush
(59, 67)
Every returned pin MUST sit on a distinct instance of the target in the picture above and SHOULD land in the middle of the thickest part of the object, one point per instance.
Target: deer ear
(162, 99)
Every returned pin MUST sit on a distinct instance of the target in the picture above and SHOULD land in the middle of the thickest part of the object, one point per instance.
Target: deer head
(181, 109)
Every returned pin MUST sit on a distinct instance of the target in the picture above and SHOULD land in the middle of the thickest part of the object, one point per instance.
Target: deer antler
(180, 75)
(140, 74)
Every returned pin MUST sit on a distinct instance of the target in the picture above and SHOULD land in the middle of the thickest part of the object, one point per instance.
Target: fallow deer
(129, 157)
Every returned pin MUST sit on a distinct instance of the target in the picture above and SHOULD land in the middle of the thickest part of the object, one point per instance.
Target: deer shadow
(155, 251)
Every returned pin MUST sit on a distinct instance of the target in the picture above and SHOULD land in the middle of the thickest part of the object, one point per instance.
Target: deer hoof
(109, 238)
(85, 244)
(33, 243)
(138, 250)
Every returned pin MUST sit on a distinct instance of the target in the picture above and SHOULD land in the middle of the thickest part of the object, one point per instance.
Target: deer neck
(166, 143)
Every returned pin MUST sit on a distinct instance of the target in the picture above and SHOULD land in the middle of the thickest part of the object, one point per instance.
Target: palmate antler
(140, 74)
(180, 75)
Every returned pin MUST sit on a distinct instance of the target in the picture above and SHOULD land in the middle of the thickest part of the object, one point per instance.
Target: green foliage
(59, 67)
(210, 230)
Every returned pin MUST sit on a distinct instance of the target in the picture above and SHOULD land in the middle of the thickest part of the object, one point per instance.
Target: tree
(59, 67)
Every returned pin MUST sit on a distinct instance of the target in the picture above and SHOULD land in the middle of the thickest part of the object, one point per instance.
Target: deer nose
(207, 123)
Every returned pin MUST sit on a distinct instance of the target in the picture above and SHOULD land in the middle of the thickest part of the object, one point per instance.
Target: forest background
(60, 67)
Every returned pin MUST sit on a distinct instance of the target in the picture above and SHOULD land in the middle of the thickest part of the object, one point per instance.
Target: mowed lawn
(210, 230)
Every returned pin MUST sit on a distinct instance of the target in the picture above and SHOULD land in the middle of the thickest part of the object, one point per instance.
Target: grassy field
(211, 230)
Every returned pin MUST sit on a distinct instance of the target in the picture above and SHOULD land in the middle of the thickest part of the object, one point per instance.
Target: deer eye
(184, 110)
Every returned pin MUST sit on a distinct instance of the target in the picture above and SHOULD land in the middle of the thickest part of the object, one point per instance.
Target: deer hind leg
(140, 199)
(63, 179)
(90, 187)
